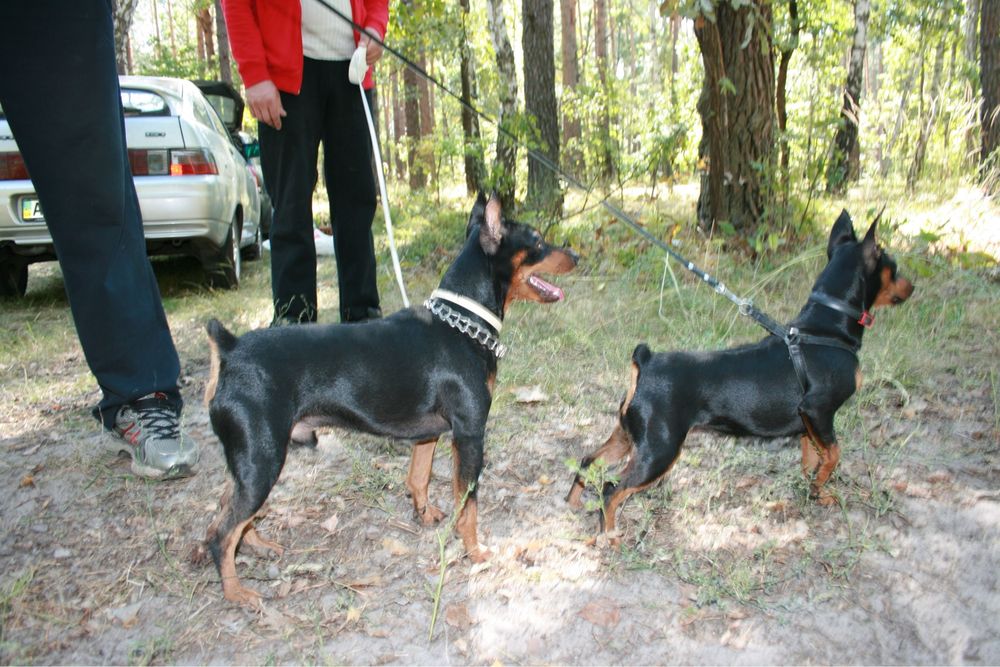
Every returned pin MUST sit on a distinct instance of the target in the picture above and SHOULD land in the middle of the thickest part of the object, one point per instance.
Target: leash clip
(867, 319)
(744, 307)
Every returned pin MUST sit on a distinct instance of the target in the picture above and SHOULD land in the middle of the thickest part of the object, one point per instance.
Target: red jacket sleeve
(377, 15)
(246, 41)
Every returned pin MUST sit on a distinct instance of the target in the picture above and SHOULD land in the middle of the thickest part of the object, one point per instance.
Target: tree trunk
(540, 104)
(475, 169)
(737, 113)
(786, 56)
(124, 10)
(505, 168)
(989, 54)
(411, 105)
(206, 35)
(926, 125)
(843, 168)
(570, 79)
(398, 121)
(225, 56)
(605, 160)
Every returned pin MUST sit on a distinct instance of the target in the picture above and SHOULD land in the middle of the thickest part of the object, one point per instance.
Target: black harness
(795, 339)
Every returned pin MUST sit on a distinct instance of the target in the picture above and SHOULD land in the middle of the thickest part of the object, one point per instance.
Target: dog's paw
(246, 597)
(198, 555)
(429, 515)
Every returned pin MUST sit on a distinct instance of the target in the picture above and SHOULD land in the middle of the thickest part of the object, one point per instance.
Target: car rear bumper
(173, 208)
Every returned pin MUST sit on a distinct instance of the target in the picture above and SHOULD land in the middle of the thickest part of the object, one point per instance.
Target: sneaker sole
(115, 445)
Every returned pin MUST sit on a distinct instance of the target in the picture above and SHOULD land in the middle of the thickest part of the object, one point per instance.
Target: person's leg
(62, 102)
(288, 159)
(350, 183)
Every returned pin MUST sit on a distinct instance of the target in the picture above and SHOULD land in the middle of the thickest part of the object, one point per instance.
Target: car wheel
(255, 249)
(13, 279)
(223, 267)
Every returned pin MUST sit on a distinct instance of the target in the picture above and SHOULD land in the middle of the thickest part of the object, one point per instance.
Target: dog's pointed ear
(477, 214)
(869, 248)
(842, 232)
(491, 231)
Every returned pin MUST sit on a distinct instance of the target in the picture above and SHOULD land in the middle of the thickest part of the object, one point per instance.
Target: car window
(224, 106)
(143, 103)
(204, 112)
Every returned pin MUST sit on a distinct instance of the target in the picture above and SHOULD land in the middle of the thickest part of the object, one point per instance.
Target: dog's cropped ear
(491, 231)
(477, 214)
(870, 250)
(842, 232)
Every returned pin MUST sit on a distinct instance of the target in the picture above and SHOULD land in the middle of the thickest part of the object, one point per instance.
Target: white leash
(356, 73)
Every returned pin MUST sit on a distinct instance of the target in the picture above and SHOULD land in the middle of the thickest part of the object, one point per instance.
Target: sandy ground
(726, 562)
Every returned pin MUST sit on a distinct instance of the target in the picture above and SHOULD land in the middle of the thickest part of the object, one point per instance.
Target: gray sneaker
(148, 430)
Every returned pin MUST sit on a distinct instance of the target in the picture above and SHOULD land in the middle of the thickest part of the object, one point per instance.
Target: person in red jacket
(294, 57)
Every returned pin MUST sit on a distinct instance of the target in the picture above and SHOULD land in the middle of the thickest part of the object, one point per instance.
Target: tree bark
(225, 56)
(926, 124)
(786, 56)
(505, 168)
(570, 80)
(540, 104)
(737, 112)
(124, 10)
(411, 106)
(206, 35)
(989, 54)
(606, 163)
(845, 144)
(475, 169)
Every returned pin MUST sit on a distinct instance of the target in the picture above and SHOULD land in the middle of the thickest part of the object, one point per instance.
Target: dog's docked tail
(640, 356)
(220, 341)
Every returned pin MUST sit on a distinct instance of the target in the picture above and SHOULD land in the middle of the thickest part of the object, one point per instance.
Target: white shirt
(326, 36)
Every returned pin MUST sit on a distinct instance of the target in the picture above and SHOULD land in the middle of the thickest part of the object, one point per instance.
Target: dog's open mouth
(546, 291)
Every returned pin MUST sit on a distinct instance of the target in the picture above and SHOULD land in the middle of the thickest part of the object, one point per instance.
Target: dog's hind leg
(617, 447)
(253, 477)
(418, 479)
(656, 450)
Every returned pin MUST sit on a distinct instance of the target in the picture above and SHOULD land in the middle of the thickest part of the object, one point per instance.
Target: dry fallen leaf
(330, 525)
(603, 612)
(27, 480)
(353, 614)
(457, 616)
(395, 547)
(529, 394)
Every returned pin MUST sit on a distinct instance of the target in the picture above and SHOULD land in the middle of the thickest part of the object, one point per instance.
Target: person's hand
(264, 101)
(373, 50)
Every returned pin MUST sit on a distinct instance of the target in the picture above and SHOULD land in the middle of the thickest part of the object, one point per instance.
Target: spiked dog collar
(456, 320)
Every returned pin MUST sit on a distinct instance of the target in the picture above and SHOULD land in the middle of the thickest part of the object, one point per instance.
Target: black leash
(791, 336)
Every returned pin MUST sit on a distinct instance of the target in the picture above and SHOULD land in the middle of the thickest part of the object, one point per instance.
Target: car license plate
(31, 210)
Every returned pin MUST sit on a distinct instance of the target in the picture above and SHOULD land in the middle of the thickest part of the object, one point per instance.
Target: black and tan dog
(414, 375)
(756, 389)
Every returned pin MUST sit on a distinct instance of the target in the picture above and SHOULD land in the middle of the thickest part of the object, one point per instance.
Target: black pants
(328, 110)
(59, 91)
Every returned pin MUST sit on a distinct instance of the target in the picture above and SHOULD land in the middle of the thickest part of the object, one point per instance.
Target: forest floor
(725, 562)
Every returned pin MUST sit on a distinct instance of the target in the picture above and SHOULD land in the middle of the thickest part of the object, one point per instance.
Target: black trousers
(327, 111)
(59, 91)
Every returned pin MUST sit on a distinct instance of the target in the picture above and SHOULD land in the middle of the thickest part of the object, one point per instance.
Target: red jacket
(266, 38)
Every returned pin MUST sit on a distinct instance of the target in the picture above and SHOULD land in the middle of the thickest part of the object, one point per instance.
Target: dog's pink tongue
(548, 291)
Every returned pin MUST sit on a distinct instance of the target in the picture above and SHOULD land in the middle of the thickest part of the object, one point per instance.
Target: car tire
(224, 266)
(255, 249)
(13, 279)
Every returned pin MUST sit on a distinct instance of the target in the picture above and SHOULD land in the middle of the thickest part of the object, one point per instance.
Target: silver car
(197, 193)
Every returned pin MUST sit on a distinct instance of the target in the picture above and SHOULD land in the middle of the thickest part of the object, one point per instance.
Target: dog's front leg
(467, 454)
(419, 478)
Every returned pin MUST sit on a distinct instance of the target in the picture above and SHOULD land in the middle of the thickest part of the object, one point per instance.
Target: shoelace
(153, 416)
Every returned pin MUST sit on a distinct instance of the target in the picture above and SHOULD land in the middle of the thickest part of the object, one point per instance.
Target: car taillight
(172, 162)
(149, 162)
(196, 162)
(12, 167)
